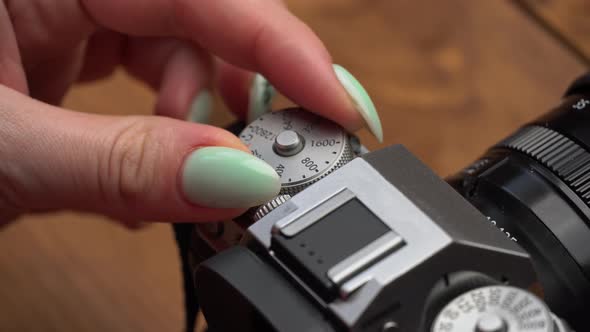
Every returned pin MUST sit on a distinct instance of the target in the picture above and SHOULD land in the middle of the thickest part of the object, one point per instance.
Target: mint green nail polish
(361, 99)
(200, 108)
(221, 177)
(261, 94)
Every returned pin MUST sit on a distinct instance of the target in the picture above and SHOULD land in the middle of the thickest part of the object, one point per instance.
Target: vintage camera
(375, 241)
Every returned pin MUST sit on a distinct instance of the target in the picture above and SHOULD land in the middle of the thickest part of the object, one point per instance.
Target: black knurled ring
(564, 157)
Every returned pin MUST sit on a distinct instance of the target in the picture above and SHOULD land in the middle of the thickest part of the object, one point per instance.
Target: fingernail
(361, 100)
(200, 108)
(261, 94)
(221, 177)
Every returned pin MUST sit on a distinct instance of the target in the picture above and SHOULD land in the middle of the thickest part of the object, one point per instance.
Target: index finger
(259, 35)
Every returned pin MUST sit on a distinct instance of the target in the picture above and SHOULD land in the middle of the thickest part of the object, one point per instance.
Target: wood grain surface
(450, 78)
(568, 19)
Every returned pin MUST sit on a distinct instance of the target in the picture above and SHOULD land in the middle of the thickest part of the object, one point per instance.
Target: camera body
(381, 243)
(367, 244)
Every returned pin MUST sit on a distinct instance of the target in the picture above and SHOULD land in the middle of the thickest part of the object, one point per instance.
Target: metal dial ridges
(347, 156)
(265, 209)
(520, 310)
(566, 158)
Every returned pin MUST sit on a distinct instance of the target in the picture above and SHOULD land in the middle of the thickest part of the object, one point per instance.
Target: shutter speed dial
(301, 146)
(497, 309)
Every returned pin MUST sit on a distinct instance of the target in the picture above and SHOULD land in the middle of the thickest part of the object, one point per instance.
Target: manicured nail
(221, 177)
(200, 109)
(261, 94)
(361, 100)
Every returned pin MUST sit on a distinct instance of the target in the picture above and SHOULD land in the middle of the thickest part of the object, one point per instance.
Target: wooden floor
(449, 78)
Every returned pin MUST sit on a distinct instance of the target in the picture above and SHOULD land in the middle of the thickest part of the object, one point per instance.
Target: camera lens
(535, 187)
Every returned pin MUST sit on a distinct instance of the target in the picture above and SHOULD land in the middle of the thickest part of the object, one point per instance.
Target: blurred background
(449, 79)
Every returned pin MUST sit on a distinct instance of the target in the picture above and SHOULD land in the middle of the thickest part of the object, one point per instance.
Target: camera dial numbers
(495, 308)
(502, 229)
(299, 145)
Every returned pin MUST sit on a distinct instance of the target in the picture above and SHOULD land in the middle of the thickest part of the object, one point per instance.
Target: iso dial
(301, 146)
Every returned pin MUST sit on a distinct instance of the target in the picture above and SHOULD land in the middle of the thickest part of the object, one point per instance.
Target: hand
(153, 168)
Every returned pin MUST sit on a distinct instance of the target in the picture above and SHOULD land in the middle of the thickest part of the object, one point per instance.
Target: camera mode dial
(302, 147)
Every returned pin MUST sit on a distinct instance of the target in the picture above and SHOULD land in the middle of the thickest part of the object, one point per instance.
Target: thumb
(130, 168)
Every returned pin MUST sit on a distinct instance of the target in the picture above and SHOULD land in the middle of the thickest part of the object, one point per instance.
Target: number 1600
(326, 142)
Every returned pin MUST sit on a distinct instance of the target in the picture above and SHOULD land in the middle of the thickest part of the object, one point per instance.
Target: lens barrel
(535, 187)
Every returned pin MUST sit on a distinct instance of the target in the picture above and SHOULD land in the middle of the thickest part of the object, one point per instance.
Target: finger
(270, 40)
(179, 70)
(104, 51)
(248, 95)
(139, 168)
(49, 80)
(259, 35)
(234, 85)
(11, 69)
(46, 29)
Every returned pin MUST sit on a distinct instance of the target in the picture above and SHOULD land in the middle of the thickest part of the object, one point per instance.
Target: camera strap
(182, 234)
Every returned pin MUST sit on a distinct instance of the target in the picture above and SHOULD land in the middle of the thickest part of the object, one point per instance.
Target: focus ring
(564, 157)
